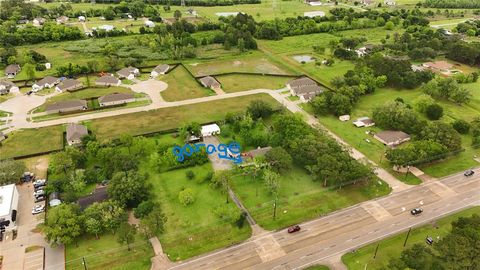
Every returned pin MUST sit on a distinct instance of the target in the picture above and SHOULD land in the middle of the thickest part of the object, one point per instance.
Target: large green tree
(63, 225)
(11, 171)
(128, 189)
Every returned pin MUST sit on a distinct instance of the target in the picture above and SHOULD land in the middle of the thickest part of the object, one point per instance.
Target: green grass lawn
(32, 141)
(317, 267)
(242, 82)
(252, 62)
(300, 198)
(107, 253)
(86, 94)
(181, 86)
(194, 229)
(170, 118)
(393, 246)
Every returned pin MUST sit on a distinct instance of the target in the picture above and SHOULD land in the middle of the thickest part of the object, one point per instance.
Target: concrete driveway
(152, 88)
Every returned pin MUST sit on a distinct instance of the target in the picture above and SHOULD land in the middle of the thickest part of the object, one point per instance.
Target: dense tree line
(12, 36)
(178, 2)
(452, 3)
(458, 250)
(470, 28)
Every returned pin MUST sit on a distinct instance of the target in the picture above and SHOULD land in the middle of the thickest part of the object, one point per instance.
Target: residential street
(347, 229)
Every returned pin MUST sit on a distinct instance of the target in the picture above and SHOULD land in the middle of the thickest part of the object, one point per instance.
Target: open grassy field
(181, 86)
(107, 253)
(169, 118)
(32, 141)
(300, 198)
(193, 229)
(85, 94)
(392, 247)
(252, 62)
(128, 25)
(242, 82)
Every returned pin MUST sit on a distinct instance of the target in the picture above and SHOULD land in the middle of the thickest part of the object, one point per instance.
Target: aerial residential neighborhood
(246, 134)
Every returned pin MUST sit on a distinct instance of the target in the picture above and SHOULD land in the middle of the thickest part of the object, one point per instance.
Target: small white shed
(210, 130)
(344, 117)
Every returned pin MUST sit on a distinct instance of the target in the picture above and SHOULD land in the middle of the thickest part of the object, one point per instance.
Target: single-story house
(12, 70)
(8, 87)
(75, 133)
(210, 82)
(67, 106)
(210, 130)
(115, 99)
(392, 137)
(108, 80)
(344, 117)
(364, 122)
(149, 24)
(82, 18)
(313, 14)
(62, 20)
(128, 73)
(69, 85)
(364, 50)
(106, 27)
(304, 88)
(418, 68)
(313, 2)
(47, 82)
(3, 136)
(160, 69)
(37, 22)
(98, 195)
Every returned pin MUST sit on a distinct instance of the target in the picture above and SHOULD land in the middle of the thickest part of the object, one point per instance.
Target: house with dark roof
(304, 88)
(128, 73)
(75, 133)
(392, 137)
(210, 82)
(98, 195)
(67, 106)
(160, 69)
(108, 80)
(69, 85)
(47, 82)
(8, 87)
(363, 122)
(115, 99)
(12, 70)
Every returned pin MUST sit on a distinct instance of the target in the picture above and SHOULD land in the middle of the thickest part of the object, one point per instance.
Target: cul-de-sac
(239, 134)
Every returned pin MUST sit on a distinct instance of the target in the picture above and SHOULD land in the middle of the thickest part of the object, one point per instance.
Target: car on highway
(293, 229)
(37, 209)
(469, 173)
(416, 211)
(40, 198)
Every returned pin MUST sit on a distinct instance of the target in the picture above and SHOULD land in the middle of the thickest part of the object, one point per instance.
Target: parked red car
(293, 229)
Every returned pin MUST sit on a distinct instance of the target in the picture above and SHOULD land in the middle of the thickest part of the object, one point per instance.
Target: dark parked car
(293, 229)
(429, 240)
(469, 173)
(29, 93)
(416, 211)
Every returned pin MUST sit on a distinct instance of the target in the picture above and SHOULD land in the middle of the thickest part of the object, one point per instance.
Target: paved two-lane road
(346, 229)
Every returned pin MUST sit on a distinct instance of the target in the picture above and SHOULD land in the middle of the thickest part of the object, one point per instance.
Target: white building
(160, 69)
(149, 24)
(210, 130)
(8, 205)
(82, 18)
(313, 14)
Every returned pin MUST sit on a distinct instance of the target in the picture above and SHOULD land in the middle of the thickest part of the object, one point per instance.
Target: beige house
(210, 82)
(69, 85)
(75, 133)
(115, 99)
(67, 106)
(392, 137)
(128, 73)
(363, 122)
(108, 80)
(12, 70)
(304, 88)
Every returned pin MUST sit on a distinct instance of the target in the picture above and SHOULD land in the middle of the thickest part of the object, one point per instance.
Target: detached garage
(210, 130)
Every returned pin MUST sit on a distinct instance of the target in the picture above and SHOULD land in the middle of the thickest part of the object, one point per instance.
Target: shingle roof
(47, 80)
(67, 104)
(76, 132)
(100, 194)
(392, 136)
(7, 84)
(209, 81)
(301, 82)
(307, 89)
(13, 68)
(115, 97)
(162, 68)
(108, 79)
(68, 83)
(125, 72)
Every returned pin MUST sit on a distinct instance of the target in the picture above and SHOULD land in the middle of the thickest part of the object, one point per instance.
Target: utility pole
(275, 209)
(406, 238)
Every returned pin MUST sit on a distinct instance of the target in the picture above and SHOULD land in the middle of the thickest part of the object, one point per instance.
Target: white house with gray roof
(160, 69)
(75, 133)
(69, 85)
(304, 88)
(115, 99)
(108, 80)
(47, 82)
(128, 73)
(8, 87)
(210, 82)
(67, 106)
(12, 70)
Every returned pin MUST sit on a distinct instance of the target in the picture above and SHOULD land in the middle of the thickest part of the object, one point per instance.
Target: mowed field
(181, 86)
(392, 247)
(243, 82)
